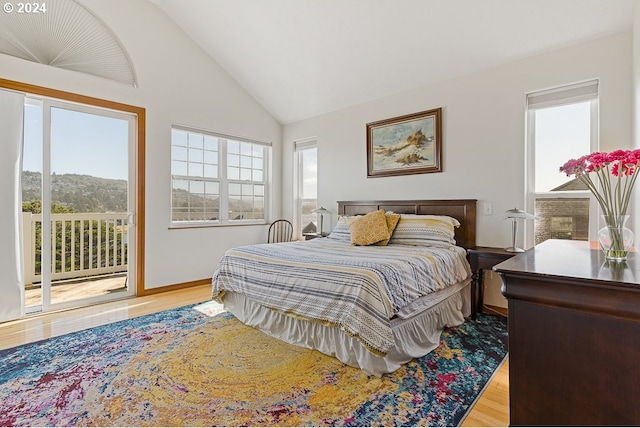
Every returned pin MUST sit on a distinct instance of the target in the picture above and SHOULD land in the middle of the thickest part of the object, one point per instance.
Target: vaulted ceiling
(302, 58)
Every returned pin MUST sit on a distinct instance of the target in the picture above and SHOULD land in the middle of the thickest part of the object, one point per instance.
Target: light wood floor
(491, 409)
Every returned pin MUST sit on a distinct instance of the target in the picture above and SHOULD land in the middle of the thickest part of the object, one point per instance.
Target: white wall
(483, 135)
(636, 107)
(177, 84)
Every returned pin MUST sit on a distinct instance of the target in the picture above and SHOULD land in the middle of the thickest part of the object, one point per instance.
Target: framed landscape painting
(410, 144)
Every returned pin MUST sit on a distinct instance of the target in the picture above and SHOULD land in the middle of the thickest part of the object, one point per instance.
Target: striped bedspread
(356, 289)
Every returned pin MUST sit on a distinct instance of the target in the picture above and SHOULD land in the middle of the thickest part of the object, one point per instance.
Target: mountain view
(75, 193)
(87, 194)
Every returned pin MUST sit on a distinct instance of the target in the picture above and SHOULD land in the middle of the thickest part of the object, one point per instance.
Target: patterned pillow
(341, 231)
(392, 222)
(369, 229)
(428, 230)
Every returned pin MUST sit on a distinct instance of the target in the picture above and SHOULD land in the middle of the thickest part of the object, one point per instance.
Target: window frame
(223, 181)
(560, 96)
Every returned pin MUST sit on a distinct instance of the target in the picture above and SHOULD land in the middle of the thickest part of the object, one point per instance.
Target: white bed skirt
(416, 332)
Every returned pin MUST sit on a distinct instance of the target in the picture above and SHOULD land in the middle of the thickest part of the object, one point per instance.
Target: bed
(373, 307)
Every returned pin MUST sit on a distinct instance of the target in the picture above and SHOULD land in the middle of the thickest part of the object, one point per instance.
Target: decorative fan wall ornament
(65, 34)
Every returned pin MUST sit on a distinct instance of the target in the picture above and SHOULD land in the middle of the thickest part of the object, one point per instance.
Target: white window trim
(224, 194)
(569, 94)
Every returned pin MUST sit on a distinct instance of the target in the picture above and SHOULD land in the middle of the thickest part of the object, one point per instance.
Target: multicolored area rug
(189, 367)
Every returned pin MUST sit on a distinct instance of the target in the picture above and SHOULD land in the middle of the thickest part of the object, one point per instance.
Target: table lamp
(322, 211)
(514, 214)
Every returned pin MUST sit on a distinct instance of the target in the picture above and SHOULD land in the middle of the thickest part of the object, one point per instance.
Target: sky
(81, 143)
(310, 174)
(562, 133)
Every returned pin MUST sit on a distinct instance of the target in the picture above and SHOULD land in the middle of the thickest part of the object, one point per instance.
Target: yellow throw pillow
(392, 222)
(369, 229)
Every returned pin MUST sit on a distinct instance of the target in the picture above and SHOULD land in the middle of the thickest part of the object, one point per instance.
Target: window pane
(246, 149)
(196, 187)
(178, 168)
(233, 173)
(258, 204)
(180, 185)
(235, 208)
(179, 153)
(234, 189)
(233, 160)
(195, 155)
(212, 188)
(562, 218)
(195, 169)
(178, 138)
(233, 147)
(245, 174)
(212, 200)
(561, 133)
(211, 214)
(245, 161)
(210, 143)
(307, 180)
(210, 171)
(310, 173)
(196, 141)
(180, 200)
(211, 157)
(258, 175)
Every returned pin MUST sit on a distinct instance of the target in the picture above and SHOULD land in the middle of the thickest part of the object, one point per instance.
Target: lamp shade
(321, 210)
(518, 213)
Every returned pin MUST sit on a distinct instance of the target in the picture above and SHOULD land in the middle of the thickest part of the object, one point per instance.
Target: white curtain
(11, 263)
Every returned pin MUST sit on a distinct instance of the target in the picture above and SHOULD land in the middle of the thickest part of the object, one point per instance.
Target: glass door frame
(48, 105)
(140, 142)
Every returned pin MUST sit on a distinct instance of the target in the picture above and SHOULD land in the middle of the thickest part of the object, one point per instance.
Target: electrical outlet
(488, 209)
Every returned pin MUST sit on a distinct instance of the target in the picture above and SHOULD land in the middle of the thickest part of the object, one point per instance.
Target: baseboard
(174, 287)
(496, 310)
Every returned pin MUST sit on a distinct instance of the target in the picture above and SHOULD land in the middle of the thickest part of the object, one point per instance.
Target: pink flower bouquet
(616, 174)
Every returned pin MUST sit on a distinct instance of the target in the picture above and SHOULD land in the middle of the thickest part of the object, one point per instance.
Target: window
(217, 179)
(562, 124)
(306, 172)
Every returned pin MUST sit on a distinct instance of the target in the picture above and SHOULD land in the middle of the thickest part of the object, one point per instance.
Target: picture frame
(409, 144)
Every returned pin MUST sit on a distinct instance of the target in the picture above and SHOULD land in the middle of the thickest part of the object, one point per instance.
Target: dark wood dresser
(574, 336)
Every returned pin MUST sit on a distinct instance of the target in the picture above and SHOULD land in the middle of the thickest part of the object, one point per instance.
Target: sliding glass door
(78, 185)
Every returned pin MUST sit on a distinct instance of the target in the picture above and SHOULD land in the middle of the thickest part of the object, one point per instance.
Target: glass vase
(615, 238)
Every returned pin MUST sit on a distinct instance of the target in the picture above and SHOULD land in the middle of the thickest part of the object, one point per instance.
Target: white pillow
(342, 232)
(425, 230)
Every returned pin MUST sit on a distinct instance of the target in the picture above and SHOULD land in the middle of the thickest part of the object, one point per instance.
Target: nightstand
(312, 235)
(481, 258)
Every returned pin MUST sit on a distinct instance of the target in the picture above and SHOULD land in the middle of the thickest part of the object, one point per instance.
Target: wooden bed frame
(463, 210)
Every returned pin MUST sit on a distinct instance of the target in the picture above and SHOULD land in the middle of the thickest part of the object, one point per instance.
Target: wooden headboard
(464, 210)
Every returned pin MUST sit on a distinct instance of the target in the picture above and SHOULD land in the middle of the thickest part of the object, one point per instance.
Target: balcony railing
(82, 244)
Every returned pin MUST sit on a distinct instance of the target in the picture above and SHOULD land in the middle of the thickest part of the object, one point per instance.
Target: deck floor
(65, 291)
